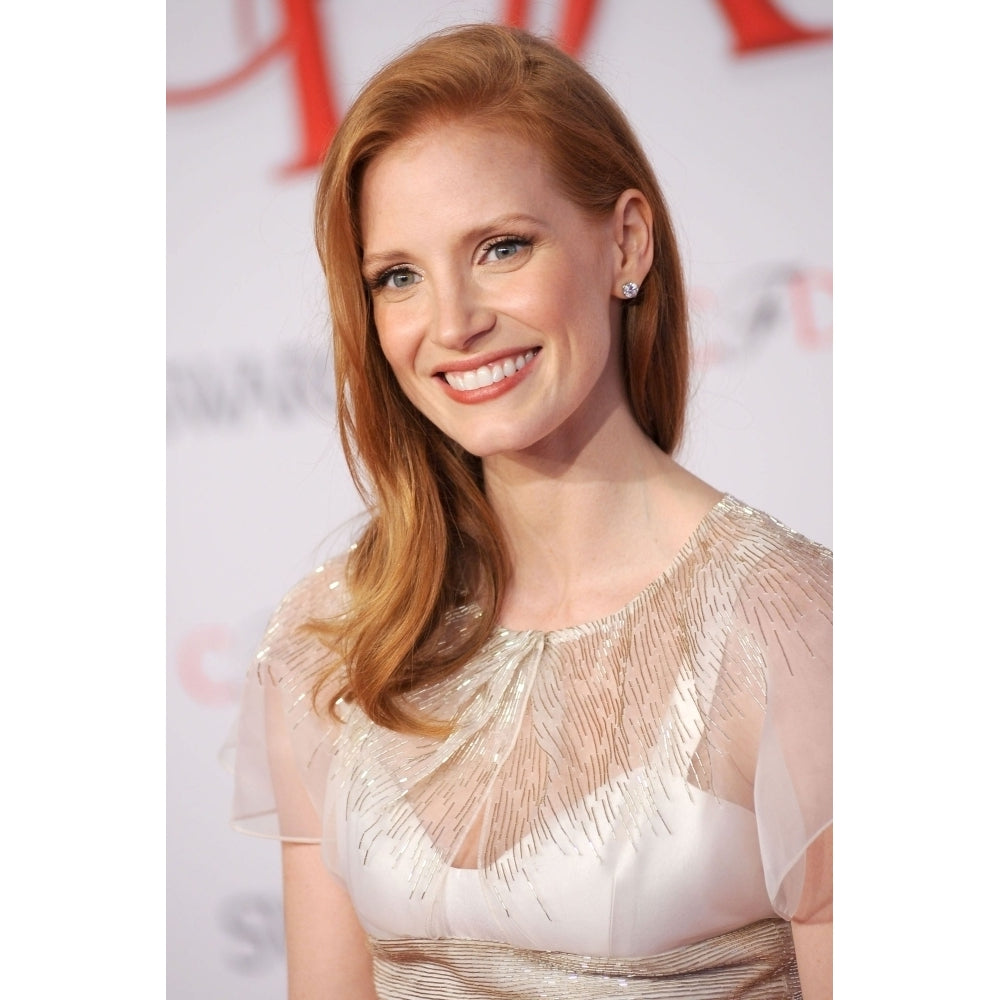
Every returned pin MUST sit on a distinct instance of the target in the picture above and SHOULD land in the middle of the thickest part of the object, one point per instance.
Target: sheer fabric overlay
(615, 789)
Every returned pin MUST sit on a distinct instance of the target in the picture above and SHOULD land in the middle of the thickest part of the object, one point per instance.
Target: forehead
(450, 171)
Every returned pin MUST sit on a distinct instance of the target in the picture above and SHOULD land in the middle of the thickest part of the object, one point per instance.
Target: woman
(559, 723)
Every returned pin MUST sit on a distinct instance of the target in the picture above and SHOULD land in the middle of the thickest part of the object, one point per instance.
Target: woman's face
(493, 294)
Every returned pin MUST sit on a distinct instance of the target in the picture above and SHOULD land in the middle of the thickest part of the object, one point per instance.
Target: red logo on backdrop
(204, 666)
(755, 25)
(755, 306)
(811, 293)
(760, 24)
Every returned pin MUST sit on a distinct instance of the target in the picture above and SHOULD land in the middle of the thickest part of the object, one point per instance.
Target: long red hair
(428, 573)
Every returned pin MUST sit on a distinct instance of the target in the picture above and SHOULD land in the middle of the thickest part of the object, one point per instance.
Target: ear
(633, 229)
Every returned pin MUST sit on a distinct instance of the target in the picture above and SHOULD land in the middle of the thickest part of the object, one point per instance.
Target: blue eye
(505, 248)
(398, 279)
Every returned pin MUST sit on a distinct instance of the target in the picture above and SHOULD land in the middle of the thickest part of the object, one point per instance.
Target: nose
(461, 314)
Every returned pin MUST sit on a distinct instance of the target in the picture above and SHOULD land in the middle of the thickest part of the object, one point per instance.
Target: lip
(471, 364)
(494, 390)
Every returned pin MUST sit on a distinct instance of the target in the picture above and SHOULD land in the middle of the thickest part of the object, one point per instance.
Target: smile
(485, 375)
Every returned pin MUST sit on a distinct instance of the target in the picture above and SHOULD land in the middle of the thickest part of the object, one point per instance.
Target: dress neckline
(722, 506)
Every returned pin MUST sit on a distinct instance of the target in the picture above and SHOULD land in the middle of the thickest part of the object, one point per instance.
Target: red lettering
(302, 40)
(515, 13)
(577, 17)
(702, 305)
(811, 297)
(760, 24)
(193, 656)
(316, 108)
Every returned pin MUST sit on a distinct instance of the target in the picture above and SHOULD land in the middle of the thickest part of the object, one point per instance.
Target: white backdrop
(257, 491)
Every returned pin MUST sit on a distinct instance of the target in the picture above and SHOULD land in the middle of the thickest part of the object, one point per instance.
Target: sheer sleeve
(283, 747)
(787, 610)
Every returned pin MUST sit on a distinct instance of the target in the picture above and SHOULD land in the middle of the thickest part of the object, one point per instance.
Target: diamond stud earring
(630, 289)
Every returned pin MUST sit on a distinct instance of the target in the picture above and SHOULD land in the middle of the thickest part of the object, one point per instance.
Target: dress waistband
(756, 962)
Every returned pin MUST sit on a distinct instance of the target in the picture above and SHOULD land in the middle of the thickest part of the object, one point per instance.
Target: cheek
(399, 354)
(392, 338)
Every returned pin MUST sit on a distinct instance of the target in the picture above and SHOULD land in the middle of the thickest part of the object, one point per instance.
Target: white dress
(639, 786)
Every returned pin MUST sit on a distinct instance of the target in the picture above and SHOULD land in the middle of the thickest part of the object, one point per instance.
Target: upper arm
(812, 925)
(327, 949)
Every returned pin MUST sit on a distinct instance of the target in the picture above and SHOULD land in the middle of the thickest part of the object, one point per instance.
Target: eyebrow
(380, 259)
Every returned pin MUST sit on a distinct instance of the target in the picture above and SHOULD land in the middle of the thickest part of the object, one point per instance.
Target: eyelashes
(511, 242)
(497, 250)
(390, 274)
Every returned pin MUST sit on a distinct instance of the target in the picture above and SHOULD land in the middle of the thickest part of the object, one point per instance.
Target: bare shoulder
(687, 500)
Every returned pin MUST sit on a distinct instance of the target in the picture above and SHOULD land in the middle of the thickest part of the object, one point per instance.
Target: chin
(490, 445)
(481, 449)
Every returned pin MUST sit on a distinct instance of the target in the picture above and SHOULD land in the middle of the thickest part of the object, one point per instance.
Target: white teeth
(488, 374)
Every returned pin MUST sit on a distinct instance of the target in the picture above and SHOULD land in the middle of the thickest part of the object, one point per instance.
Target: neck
(588, 525)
